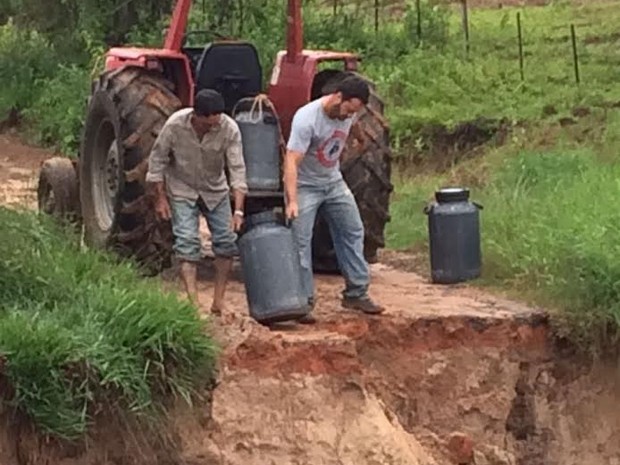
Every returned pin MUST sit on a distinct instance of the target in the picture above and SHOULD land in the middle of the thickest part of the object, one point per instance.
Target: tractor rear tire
(127, 109)
(57, 190)
(367, 172)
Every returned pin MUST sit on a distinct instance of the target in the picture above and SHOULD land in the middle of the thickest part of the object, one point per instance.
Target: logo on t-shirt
(329, 151)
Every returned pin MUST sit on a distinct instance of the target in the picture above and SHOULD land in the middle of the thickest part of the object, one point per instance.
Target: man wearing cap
(187, 167)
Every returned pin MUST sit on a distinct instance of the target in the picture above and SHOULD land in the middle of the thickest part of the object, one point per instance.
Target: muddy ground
(19, 164)
(449, 375)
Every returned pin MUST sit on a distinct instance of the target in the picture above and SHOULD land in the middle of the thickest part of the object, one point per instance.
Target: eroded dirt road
(448, 375)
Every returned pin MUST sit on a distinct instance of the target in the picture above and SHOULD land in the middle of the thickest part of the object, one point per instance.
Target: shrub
(58, 112)
(25, 59)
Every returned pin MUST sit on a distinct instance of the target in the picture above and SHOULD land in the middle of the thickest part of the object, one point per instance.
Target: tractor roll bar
(294, 24)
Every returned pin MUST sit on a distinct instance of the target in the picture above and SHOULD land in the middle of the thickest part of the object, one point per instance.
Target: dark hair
(353, 87)
(208, 102)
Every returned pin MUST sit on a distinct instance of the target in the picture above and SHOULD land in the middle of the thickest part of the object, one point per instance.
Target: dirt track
(18, 172)
(399, 291)
(448, 375)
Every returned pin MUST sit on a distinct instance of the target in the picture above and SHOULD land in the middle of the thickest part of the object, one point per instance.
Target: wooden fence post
(575, 54)
(418, 8)
(520, 35)
(465, 26)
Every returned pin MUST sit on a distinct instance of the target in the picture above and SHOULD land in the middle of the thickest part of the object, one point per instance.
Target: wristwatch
(239, 213)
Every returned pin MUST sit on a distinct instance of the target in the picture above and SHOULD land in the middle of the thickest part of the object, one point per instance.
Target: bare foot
(218, 309)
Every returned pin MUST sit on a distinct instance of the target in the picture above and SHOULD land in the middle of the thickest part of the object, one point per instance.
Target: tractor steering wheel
(209, 33)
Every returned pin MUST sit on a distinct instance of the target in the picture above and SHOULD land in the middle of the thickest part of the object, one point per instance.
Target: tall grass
(549, 224)
(79, 333)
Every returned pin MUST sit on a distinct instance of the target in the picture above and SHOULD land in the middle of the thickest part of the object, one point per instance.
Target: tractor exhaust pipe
(294, 31)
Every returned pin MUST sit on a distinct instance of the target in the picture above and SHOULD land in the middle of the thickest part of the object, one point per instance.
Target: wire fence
(389, 11)
(426, 23)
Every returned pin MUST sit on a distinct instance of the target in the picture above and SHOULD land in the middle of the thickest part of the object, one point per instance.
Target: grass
(426, 79)
(441, 84)
(80, 334)
(551, 228)
(549, 224)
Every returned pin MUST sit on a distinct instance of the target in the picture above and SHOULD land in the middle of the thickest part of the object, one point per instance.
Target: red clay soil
(420, 317)
(448, 375)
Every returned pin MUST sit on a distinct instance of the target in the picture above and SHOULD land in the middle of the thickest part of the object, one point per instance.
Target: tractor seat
(231, 68)
(193, 54)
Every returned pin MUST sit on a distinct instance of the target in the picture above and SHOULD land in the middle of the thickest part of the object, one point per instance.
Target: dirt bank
(449, 375)
(395, 389)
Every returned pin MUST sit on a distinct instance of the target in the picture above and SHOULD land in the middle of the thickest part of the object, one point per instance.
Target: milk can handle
(480, 207)
(258, 102)
(428, 209)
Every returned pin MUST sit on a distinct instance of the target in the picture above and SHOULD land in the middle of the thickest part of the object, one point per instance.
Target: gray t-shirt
(321, 140)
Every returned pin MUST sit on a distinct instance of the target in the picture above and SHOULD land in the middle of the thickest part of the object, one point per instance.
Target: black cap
(208, 102)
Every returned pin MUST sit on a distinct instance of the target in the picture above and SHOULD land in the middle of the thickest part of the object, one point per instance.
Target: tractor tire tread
(143, 102)
(367, 172)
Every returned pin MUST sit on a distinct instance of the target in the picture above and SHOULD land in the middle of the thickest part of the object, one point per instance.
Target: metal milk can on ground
(454, 237)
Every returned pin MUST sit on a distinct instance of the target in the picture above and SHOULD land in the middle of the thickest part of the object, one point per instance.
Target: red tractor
(140, 88)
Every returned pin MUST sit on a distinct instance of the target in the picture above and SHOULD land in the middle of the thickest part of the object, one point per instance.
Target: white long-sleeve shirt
(191, 167)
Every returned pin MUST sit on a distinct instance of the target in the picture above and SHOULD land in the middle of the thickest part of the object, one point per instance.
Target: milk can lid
(452, 194)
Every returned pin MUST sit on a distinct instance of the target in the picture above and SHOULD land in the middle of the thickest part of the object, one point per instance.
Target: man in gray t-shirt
(313, 180)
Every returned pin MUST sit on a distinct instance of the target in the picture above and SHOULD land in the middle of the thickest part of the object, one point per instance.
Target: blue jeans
(340, 211)
(185, 228)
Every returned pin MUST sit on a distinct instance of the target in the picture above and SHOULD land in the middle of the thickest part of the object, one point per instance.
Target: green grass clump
(58, 113)
(80, 334)
(549, 230)
(408, 226)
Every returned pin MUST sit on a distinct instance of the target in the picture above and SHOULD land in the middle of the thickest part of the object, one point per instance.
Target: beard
(335, 112)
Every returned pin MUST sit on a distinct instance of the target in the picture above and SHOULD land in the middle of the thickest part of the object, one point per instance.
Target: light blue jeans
(339, 209)
(185, 228)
